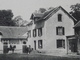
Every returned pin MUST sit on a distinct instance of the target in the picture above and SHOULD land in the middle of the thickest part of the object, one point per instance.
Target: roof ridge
(52, 11)
(77, 23)
(47, 14)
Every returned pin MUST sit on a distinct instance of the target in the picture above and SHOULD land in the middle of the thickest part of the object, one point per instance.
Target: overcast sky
(26, 7)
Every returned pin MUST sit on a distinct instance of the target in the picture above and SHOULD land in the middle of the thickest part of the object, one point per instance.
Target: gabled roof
(41, 15)
(30, 23)
(48, 14)
(13, 32)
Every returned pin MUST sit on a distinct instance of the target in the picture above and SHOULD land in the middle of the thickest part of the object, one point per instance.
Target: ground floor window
(13, 41)
(60, 43)
(40, 44)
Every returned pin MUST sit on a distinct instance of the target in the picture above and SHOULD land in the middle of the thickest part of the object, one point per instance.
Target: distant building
(48, 30)
(12, 36)
(76, 39)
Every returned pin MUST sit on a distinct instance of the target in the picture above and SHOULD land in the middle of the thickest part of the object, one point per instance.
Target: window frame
(62, 43)
(40, 32)
(58, 31)
(59, 17)
(40, 42)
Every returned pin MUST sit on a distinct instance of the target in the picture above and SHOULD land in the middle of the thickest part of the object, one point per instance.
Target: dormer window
(61, 43)
(59, 17)
(35, 19)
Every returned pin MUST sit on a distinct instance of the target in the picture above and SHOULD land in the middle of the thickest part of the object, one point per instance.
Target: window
(60, 43)
(59, 17)
(34, 33)
(60, 30)
(35, 19)
(24, 42)
(29, 33)
(39, 31)
(40, 44)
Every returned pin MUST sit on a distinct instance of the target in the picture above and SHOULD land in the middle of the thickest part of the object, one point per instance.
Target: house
(73, 43)
(12, 36)
(77, 36)
(47, 30)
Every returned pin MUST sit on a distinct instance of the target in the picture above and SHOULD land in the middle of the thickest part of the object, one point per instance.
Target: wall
(32, 39)
(51, 37)
(18, 49)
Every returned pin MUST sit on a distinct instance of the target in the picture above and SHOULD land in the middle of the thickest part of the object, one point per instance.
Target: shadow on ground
(35, 57)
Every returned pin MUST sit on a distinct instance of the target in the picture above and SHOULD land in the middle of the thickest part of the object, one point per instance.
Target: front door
(35, 45)
(72, 46)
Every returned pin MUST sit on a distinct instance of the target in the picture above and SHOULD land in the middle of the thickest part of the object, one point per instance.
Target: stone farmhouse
(49, 29)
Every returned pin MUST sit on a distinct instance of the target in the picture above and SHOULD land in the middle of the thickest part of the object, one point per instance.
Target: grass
(33, 57)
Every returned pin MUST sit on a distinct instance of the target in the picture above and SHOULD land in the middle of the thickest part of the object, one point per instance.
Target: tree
(20, 22)
(75, 11)
(6, 18)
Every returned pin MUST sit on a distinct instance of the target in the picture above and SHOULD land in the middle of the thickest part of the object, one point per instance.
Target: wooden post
(67, 45)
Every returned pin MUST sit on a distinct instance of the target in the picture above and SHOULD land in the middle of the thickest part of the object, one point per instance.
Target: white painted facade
(49, 37)
(11, 35)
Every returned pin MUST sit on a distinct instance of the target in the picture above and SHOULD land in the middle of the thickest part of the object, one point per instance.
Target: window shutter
(63, 31)
(56, 30)
(38, 31)
(33, 33)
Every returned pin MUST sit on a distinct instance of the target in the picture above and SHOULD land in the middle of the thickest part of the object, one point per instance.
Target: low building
(48, 30)
(77, 36)
(12, 37)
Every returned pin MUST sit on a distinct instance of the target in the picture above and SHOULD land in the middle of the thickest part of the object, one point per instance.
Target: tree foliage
(75, 11)
(19, 21)
(6, 18)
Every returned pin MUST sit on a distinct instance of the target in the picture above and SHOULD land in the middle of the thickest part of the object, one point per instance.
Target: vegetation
(6, 18)
(19, 21)
(75, 11)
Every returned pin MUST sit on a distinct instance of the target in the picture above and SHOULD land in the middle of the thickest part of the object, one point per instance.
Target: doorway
(72, 48)
(35, 45)
(5, 47)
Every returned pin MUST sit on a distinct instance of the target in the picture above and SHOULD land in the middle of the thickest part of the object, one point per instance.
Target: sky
(25, 8)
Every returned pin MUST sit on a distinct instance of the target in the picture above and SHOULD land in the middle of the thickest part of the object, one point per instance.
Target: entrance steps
(37, 52)
(72, 53)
